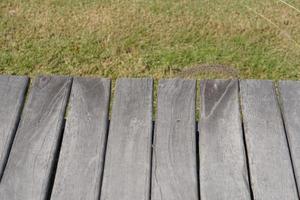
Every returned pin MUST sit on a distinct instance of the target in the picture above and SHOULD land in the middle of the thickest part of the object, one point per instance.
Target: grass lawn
(159, 38)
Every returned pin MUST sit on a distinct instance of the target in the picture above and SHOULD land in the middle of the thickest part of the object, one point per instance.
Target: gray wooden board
(29, 166)
(290, 101)
(127, 163)
(174, 168)
(12, 95)
(223, 165)
(269, 160)
(81, 157)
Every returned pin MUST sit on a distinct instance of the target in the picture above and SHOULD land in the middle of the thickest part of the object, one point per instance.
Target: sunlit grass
(260, 39)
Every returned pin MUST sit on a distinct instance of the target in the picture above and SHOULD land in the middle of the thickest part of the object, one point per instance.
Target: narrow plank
(223, 165)
(12, 96)
(128, 155)
(269, 160)
(29, 166)
(81, 157)
(174, 168)
(290, 96)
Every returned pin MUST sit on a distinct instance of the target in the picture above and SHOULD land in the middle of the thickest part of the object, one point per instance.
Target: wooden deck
(58, 142)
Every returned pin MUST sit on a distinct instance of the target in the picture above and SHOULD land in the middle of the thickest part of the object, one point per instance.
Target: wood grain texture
(223, 165)
(174, 168)
(12, 96)
(127, 162)
(26, 176)
(290, 102)
(269, 160)
(81, 157)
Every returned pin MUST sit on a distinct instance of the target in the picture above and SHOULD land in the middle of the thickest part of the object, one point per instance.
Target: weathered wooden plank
(223, 165)
(174, 168)
(290, 101)
(12, 95)
(81, 157)
(29, 166)
(128, 155)
(269, 160)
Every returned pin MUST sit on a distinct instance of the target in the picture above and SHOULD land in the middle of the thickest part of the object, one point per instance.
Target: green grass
(160, 38)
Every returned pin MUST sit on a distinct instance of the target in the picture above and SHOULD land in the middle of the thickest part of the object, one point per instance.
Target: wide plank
(30, 163)
(223, 165)
(290, 101)
(127, 163)
(269, 160)
(174, 168)
(81, 157)
(12, 96)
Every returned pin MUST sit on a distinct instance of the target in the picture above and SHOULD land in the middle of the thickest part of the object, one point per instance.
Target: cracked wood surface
(81, 157)
(96, 163)
(128, 155)
(12, 96)
(290, 100)
(270, 165)
(30, 163)
(174, 168)
(223, 166)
